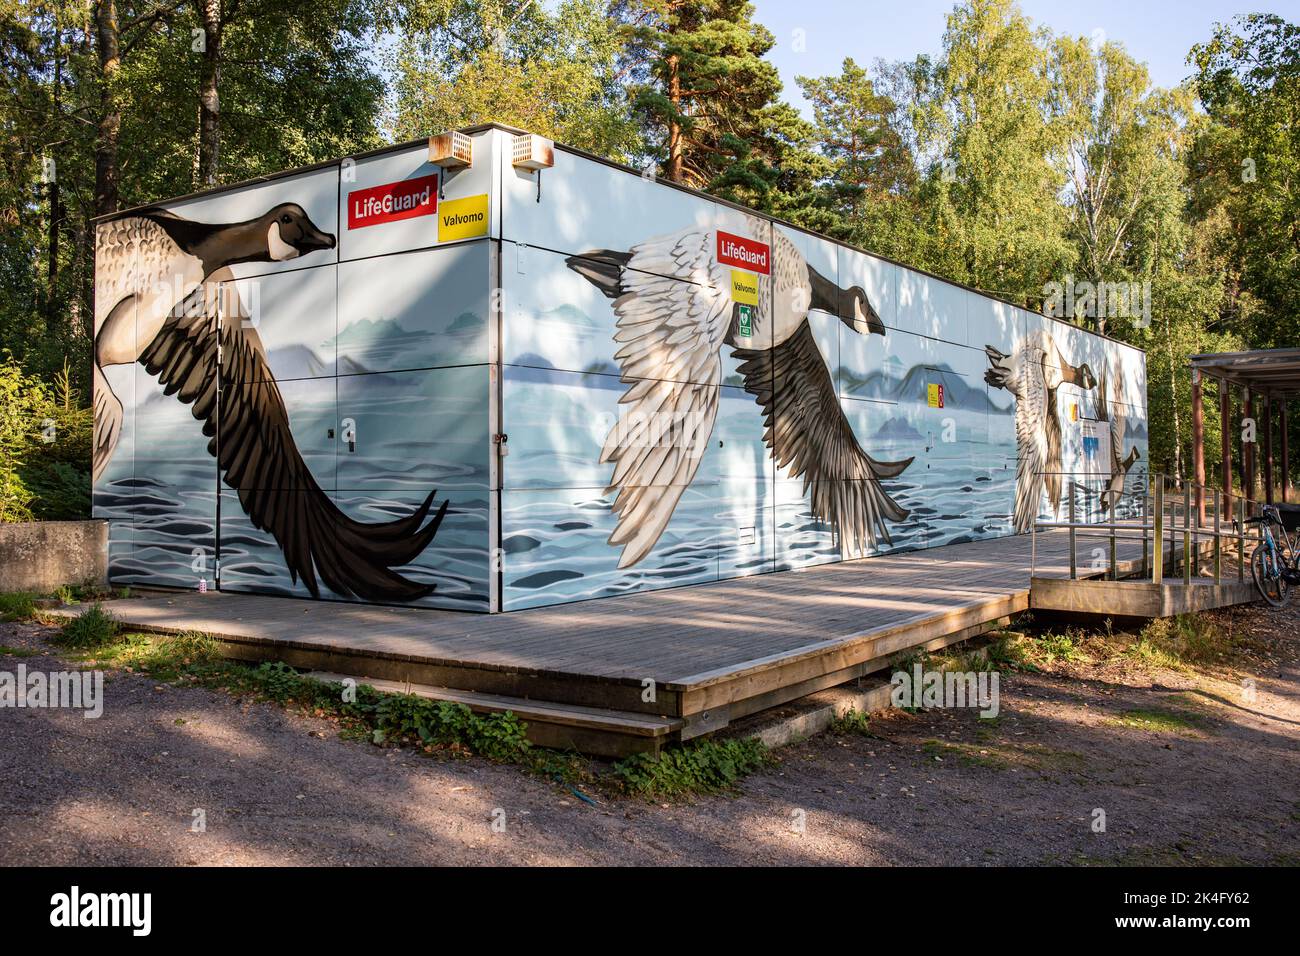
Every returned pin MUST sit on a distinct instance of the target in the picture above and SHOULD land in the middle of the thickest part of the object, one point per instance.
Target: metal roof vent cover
(451, 150)
(532, 152)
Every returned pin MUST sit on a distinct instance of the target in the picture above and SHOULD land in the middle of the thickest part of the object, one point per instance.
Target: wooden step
(592, 730)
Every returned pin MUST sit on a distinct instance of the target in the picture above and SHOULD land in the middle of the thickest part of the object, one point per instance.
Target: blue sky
(1157, 32)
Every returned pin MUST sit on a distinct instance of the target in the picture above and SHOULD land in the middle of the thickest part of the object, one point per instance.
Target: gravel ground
(940, 787)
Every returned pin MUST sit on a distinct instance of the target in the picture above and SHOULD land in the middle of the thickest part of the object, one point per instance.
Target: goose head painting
(674, 315)
(1034, 372)
(156, 308)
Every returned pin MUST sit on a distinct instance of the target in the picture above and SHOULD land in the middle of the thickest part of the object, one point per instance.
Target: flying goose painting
(154, 304)
(1111, 409)
(671, 334)
(1033, 374)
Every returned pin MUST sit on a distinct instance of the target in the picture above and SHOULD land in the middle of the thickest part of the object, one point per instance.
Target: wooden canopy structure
(1267, 378)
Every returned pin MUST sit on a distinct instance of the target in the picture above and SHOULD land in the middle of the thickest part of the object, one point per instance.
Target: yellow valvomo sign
(463, 218)
(744, 287)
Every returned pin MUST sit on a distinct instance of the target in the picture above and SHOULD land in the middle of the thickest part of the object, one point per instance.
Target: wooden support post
(1198, 447)
(1266, 413)
(1225, 442)
(1286, 453)
(1218, 548)
(1247, 448)
(1241, 538)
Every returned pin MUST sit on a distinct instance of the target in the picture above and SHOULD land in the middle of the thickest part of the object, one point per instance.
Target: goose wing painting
(1034, 373)
(159, 304)
(670, 333)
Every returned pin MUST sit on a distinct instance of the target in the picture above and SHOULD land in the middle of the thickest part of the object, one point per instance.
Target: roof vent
(533, 152)
(451, 150)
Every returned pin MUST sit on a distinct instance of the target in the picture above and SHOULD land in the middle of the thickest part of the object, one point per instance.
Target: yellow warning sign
(934, 395)
(744, 287)
(463, 218)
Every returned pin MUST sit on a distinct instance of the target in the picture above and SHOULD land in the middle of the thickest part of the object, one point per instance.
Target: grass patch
(17, 606)
(1063, 648)
(1010, 649)
(437, 728)
(92, 628)
(1026, 756)
(1183, 640)
(69, 594)
(7, 651)
(851, 722)
(969, 661)
(1022, 651)
(710, 766)
(409, 718)
(23, 606)
(1159, 720)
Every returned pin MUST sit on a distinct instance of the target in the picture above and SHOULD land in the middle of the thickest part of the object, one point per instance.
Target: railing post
(1187, 533)
(1145, 514)
(1241, 538)
(1114, 563)
(1218, 550)
(1158, 533)
(1074, 569)
(1033, 548)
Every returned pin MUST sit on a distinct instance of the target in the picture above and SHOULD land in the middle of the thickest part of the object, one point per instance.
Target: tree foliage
(1012, 160)
(462, 62)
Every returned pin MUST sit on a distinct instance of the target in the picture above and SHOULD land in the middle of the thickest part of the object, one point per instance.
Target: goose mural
(1033, 374)
(154, 304)
(1111, 409)
(671, 334)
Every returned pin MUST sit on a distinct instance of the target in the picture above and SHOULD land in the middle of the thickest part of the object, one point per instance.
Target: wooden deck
(697, 657)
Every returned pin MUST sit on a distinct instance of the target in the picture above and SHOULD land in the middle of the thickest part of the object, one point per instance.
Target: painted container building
(487, 373)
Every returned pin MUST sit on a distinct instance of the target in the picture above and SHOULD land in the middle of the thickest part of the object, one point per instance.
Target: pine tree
(855, 131)
(710, 103)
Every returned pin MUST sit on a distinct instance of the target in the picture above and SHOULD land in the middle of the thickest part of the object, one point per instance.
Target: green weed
(92, 628)
(710, 766)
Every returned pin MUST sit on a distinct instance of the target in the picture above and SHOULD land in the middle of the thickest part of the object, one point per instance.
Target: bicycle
(1269, 566)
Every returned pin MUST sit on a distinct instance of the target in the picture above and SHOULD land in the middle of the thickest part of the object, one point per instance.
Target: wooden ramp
(691, 659)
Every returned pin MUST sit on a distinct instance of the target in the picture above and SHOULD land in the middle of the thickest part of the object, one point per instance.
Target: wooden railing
(1158, 512)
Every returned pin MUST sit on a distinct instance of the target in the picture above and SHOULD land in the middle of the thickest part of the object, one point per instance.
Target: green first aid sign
(745, 320)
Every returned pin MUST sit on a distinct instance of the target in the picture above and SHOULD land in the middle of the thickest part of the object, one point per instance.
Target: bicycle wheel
(1268, 577)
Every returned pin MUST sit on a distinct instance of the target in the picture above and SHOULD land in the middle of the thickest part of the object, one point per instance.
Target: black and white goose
(1111, 409)
(671, 333)
(1033, 375)
(155, 279)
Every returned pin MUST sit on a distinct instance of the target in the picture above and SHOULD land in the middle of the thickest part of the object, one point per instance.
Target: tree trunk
(56, 213)
(209, 103)
(673, 169)
(109, 126)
